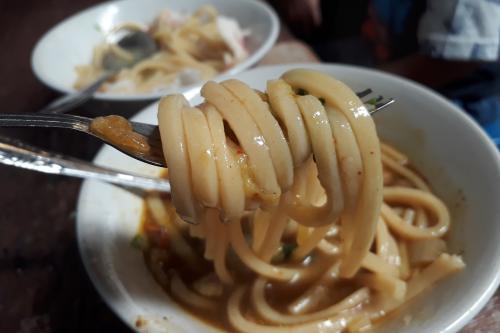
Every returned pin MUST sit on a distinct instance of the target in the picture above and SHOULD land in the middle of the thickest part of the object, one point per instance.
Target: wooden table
(43, 286)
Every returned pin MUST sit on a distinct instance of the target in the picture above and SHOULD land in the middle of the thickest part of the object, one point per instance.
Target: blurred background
(449, 45)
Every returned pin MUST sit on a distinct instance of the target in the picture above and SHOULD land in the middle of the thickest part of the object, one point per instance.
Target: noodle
(191, 49)
(283, 190)
(273, 316)
(335, 324)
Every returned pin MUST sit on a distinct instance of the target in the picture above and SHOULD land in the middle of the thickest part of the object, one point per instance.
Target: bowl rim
(457, 322)
(247, 63)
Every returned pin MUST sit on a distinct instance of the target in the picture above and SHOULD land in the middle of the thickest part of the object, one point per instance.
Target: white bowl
(456, 156)
(71, 42)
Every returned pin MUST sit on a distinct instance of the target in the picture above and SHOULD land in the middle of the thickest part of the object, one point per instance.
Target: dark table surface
(43, 285)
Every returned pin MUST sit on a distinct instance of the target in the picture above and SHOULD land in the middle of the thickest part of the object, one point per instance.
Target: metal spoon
(15, 153)
(138, 43)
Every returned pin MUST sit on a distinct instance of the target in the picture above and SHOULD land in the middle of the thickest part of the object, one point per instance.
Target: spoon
(137, 43)
(18, 154)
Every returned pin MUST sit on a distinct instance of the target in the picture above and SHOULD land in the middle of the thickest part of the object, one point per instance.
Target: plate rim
(246, 64)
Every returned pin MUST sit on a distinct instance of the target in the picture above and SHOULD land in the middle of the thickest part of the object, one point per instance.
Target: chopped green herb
(97, 27)
(139, 242)
(287, 249)
(302, 92)
(373, 101)
(278, 257)
(284, 253)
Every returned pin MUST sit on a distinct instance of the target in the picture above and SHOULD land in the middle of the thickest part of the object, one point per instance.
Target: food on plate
(287, 214)
(191, 48)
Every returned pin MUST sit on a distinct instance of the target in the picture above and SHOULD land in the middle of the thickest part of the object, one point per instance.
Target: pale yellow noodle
(377, 264)
(201, 157)
(405, 172)
(311, 242)
(174, 149)
(273, 316)
(416, 197)
(324, 151)
(260, 226)
(337, 95)
(271, 131)
(394, 153)
(195, 45)
(404, 268)
(181, 291)
(392, 286)
(315, 293)
(255, 263)
(290, 185)
(387, 247)
(283, 105)
(332, 325)
(220, 254)
(247, 133)
(274, 233)
(179, 244)
(230, 183)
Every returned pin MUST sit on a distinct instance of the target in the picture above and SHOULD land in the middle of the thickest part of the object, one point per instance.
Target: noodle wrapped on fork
(287, 190)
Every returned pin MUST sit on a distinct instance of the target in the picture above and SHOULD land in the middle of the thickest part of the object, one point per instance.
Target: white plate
(71, 42)
(456, 156)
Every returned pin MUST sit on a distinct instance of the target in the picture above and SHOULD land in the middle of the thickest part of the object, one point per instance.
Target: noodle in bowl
(435, 147)
(71, 43)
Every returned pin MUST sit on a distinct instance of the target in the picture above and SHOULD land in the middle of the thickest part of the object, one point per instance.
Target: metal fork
(82, 124)
(375, 103)
(155, 157)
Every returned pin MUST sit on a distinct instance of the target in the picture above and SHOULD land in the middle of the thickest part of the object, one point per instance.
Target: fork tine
(364, 93)
(381, 105)
(376, 103)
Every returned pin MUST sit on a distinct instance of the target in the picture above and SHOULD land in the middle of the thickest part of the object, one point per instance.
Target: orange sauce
(161, 260)
(119, 132)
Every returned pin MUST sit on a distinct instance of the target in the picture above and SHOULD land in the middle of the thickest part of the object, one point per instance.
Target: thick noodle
(190, 49)
(310, 223)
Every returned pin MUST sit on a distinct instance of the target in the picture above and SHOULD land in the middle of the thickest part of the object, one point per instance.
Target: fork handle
(45, 120)
(68, 102)
(15, 153)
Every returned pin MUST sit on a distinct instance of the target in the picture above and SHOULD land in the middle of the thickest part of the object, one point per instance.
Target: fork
(151, 132)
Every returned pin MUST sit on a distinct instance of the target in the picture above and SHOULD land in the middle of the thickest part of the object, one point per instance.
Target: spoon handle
(15, 153)
(71, 101)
